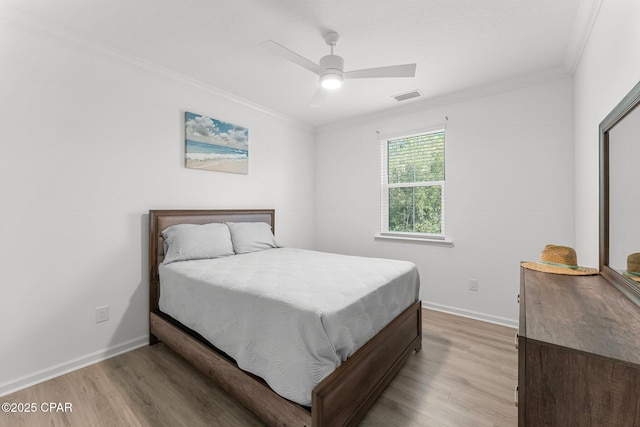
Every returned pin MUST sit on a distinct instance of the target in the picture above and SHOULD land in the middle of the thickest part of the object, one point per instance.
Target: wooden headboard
(161, 219)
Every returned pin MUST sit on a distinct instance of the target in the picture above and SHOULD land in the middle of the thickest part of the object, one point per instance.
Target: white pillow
(251, 236)
(191, 241)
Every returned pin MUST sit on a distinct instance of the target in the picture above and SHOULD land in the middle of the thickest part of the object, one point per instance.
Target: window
(413, 182)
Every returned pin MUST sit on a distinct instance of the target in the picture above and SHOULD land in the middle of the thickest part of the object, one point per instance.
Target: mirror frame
(628, 103)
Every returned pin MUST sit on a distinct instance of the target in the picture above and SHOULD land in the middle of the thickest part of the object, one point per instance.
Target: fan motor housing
(332, 63)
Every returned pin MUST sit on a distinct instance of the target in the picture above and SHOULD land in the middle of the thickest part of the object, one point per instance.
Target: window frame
(385, 186)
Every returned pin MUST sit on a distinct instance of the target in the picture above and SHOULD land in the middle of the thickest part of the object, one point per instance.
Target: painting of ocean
(214, 145)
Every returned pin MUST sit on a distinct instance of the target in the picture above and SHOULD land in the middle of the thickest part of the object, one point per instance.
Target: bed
(342, 398)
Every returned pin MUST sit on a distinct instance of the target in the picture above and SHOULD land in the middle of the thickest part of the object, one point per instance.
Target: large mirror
(620, 195)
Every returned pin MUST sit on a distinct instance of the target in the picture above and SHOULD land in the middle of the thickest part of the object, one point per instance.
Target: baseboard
(72, 365)
(471, 314)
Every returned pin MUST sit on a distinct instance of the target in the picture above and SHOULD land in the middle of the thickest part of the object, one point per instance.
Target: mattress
(289, 316)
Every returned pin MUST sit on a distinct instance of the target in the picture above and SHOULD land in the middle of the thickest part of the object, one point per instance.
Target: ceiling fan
(331, 68)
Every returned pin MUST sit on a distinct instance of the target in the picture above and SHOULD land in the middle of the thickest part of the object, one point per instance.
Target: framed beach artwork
(214, 145)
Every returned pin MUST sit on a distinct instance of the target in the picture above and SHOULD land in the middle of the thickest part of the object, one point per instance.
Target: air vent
(408, 95)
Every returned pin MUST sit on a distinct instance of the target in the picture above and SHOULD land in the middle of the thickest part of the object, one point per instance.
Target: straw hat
(559, 260)
(633, 267)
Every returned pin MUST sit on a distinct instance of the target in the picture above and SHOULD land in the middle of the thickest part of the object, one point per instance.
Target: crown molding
(482, 91)
(27, 23)
(583, 24)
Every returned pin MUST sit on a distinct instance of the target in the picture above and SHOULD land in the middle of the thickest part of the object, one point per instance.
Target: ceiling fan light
(331, 81)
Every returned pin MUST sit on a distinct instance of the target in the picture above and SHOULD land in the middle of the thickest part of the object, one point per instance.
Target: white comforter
(290, 316)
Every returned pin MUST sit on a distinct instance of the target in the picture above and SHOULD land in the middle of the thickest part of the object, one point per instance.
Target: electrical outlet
(102, 314)
(473, 285)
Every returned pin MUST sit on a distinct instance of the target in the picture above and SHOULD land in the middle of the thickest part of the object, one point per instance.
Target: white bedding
(289, 316)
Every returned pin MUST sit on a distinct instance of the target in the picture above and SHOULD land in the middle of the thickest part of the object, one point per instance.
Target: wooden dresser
(578, 353)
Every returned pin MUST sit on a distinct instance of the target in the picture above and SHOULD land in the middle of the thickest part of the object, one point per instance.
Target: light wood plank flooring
(465, 375)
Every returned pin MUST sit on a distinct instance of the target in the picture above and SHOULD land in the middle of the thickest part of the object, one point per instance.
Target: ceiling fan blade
(406, 70)
(278, 49)
(318, 97)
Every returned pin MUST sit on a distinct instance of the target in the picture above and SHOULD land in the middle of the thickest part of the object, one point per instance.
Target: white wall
(89, 142)
(608, 70)
(509, 160)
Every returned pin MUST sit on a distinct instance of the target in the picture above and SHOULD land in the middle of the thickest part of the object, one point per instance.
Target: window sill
(424, 240)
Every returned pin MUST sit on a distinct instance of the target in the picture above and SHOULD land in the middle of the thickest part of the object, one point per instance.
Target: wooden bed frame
(341, 399)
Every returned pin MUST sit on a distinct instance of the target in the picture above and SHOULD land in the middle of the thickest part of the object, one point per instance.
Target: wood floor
(465, 375)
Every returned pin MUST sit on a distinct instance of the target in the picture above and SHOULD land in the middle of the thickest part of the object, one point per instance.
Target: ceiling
(460, 46)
